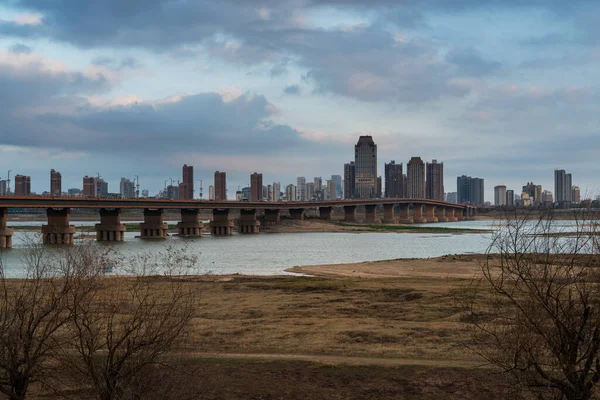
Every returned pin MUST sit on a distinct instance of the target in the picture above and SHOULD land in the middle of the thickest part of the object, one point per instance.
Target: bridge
(60, 231)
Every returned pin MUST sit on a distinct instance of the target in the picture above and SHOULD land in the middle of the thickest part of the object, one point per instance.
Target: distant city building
(331, 190)
(319, 193)
(127, 189)
(310, 191)
(500, 195)
(290, 192)
(211, 192)
(265, 193)
(74, 192)
(55, 183)
(270, 193)
(378, 188)
(145, 193)
(90, 187)
(470, 190)
(452, 197)
(526, 200)
(276, 191)
(365, 161)
(563, 186)
(349, 180)
(246, 193)
(256, 184)
(173, 192)
(547, 197)
(393, 180)
(187, 187)
(415, 170)
(239, 195)
(434, 183)
(101, 188)
(576, 195)
(220, 186)
(301, 187)
(22, 185)
(510, 198)
(3, 187)
(338, 185)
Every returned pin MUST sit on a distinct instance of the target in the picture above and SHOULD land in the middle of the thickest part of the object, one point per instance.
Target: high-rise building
(301, 187)
(470, 190)
(331, 190)
(127, 189)
(365, 161)
(319, 193)
(256, 185)
(265, 193)
(338, 185)
(378, 187)
(220, 186)
(173, 192)
(101, 188)
(276, 191)
(434, 184)
(246, 193)
(55, 183)
(290, 192)
(270, 193)
(89, 186)
(451, 197)
(531, 190)
(145, 193)
(349, 180)
(3, 187)
(500, 195)
(74, 192)
(310, 191)
(547, 197)
(211, 192)
(510, 198)
(188, 183)
(576, 195)
(22, 185)
(563, 186)
(415, 170)
(393, 180)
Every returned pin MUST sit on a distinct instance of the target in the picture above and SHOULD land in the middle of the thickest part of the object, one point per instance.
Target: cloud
(293, 90)
(20, 48)
(127, 62)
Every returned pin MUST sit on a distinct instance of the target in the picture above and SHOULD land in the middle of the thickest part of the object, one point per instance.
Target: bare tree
(34, 311)
(535, 311)
(129, 324)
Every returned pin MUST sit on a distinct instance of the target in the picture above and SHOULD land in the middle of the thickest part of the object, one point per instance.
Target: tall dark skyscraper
(393, 180)
(470, 190)
(434, 183)
(188, 183)
(349, 180)
(22, 185)
(90, 186)
(220, 186)
(563, 186)
(415, 171)
(256, 185)
(55, 183)
(365, 161)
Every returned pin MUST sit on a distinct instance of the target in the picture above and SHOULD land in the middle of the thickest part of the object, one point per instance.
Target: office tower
(290, 192)
(338, 185)
(55, 183)
(265, 193)
(220, 186)
(211, 192)
(434, 183)
(510, 198)
(301, 187)
(127, 189)
(331, 190)
(3, 187)
(415, 170)
(538, 194)
(576, 195)
(310, 191)
(173, 192)
(470, 190)
(319, 193)
(349, 180)
(270, 193)
(500, 195)
(393, 180)
(89, 186)
(531, 190)
(276, 191)
(451, 197)
(101, 188)
(188, 183)
(547, 197)
(404, 185)
(378, 187)
(246, 193)
(22, 185)
(563, 186)
(256, 185)
(365, 164)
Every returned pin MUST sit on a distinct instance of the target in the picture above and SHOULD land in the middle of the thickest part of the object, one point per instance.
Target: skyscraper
(415, 170)
(338, 185)
(434, 184)
(290, 192)
(470, 190)
(393, 180)
(563, 186)
(188, 183)
(211, 192)
(319, 193)
(500, 195)
(349, 180)
(510, 198)
(301, 188)
(276, 191)
(3, 187)
(220, 186)
(256, 185)
(365, 161)
(127, 188)
(55, 183)
(331, 191)
(22, 185)
(378, 187)
(310, 190)
(101, 188)
(90, 187)
(576, 195)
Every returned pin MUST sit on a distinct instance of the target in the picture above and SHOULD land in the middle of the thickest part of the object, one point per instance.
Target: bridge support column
(388, 214)
(58, 230)
(190, 225)
(110, 228)
(418, 214)
(153, 226)
(370, 213)
(325, 213)
(404, 215)
(350, 213)
(297, 213)
(6, 234)
(459, 214)
(430, 213)
(221, 225)
(449, 214)
(248, 222)
(272, 216)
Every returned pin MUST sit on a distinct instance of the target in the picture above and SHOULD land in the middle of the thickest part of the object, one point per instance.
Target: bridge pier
(58, 230)
(459, 214)
(418, 214)
(404, 214)
(449, 214)
(325, 213)
(297, 213)
(430, 213)
(190, 225)
(388, 214)
(247, 223)
(221, 225)
(153, 226)
(6, 234)
(110, 228)
(272, 216)
(350, 213)
(370, 213)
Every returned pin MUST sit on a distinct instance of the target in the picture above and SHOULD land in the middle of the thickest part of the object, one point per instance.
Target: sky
(504, 90)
